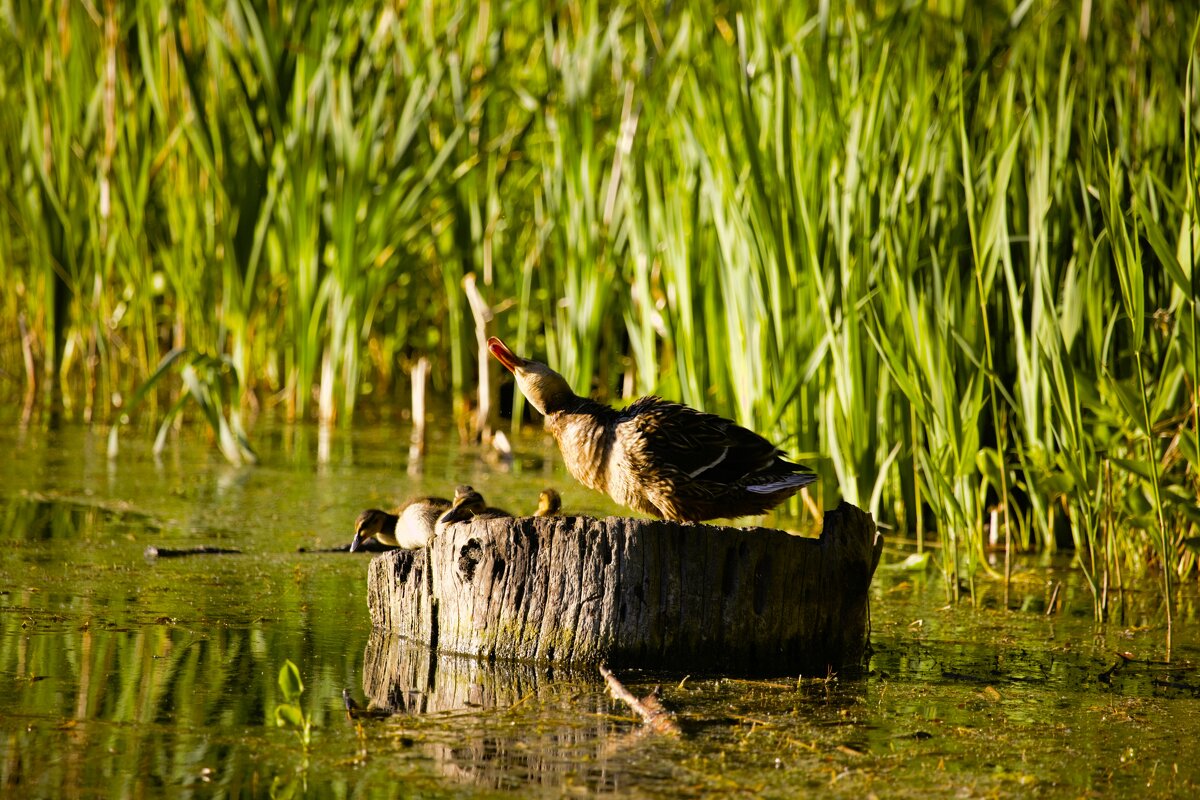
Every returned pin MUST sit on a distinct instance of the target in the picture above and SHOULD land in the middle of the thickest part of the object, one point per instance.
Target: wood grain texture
(636, 593)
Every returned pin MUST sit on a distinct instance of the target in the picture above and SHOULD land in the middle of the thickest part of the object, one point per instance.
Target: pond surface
(127, 676)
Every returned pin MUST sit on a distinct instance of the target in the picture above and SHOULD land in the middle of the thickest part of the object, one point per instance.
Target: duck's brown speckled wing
(694, 465)
(699, 445)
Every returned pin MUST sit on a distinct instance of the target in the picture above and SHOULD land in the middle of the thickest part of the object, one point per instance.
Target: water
(123, 676)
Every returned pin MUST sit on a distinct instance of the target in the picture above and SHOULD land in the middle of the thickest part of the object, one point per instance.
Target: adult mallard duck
(469, 504)
(657, 457)
(413, 525)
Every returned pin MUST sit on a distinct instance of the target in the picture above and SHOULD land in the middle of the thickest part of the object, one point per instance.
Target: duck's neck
(585, 432)
(387, 534)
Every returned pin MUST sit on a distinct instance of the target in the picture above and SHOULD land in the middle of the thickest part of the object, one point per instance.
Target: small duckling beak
(363, 530)
(508, 358)
(467, 503)
(458, 513)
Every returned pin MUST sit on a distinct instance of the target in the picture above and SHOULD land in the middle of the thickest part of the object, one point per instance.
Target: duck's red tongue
(507, 357)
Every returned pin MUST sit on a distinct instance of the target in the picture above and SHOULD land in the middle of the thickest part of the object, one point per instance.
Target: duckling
(412, 526)
(468, 504)
(549, 503)
(355, 711)
(657, 457)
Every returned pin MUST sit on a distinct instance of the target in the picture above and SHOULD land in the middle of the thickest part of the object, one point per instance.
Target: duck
(468, 504)
(549, 503)
(658, 457)
(355, 711)
(413, 525)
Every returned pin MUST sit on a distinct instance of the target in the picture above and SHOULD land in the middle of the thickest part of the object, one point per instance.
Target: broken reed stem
(30, 369)
(416, 448)
(483, 315)
(1051, 606)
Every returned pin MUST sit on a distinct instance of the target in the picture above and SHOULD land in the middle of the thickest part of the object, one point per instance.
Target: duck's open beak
(507, 357)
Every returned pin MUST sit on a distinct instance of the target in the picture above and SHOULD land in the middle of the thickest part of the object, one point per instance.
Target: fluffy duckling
(549, 503)
(657, 457)
(412, 526)
(469, 504)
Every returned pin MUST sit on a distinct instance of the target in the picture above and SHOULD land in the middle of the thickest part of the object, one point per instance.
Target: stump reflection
(495, 725)
(406, 677)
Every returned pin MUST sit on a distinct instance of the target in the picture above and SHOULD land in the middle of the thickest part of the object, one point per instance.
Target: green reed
(950, 252)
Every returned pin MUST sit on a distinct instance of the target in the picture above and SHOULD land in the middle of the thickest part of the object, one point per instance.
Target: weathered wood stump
(636, 593)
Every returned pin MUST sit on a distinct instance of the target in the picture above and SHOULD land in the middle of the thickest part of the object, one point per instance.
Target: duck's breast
(585, 448)
(631, 481)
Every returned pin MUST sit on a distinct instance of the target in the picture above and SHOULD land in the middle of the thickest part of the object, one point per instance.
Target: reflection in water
(515, 725)
(407, 677)
(35, 518)
(122, 677)
(136, 705)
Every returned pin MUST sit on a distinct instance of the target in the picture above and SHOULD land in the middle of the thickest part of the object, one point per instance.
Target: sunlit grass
(951, 254)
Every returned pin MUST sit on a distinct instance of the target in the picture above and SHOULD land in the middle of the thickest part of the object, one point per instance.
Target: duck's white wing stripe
(711, 464)
(790, 482)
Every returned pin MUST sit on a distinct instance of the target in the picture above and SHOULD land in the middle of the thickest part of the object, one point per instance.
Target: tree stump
(636, 593)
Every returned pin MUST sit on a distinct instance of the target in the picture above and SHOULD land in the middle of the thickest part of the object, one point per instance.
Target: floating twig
(649, 708)
(369, 546)
(171, 552)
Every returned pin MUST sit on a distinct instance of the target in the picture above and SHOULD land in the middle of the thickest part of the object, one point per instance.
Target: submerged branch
(649, 708)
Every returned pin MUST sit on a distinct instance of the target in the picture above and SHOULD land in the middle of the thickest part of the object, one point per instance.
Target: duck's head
(549, 503)
(467, 504)
(546, 390)
(369, 523)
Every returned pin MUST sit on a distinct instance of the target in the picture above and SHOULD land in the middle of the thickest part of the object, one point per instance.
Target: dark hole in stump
(468, 557)
(403, 568)
(606, 554)
(498, 569)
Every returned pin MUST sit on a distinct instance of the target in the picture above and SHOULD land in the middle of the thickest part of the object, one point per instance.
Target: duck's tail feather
(793, 482)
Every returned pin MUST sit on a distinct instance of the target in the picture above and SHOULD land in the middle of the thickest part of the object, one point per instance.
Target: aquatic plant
(289, 714)
(947, 250)
(211, 382)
